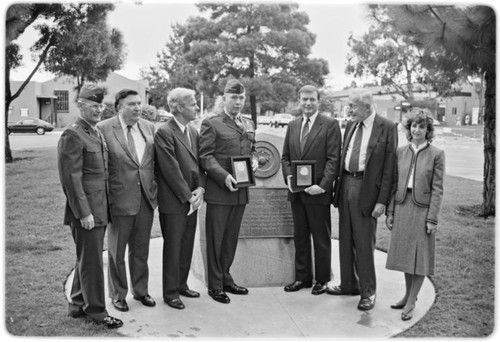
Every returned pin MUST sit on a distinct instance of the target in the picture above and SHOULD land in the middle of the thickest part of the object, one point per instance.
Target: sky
(146, 27)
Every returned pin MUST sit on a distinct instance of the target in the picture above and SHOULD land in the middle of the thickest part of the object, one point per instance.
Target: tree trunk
(489, 146)
(253, 108)
(8, 100)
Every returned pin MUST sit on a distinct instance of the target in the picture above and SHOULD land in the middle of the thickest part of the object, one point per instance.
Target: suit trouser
(315, 220)
(178, 232)
(87, 290)
(357, 235)
(134, 231)
(223, 224)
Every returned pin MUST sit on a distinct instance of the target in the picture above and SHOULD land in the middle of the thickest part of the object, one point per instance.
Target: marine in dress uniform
(222, 136)
(82, 163)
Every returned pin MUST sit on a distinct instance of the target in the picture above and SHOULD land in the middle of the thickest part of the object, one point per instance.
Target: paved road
(464, 156)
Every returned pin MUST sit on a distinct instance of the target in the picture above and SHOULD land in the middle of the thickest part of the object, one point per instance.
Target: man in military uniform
(222, 136)
(82, 162)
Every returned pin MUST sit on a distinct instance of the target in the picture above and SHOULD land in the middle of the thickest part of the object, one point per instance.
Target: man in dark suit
(83, 163)
(314, 137)
(180, 193)
(364, 188)
(132, 194)
(222, 136)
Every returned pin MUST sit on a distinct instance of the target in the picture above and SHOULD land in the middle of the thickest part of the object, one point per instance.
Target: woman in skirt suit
(412, 215)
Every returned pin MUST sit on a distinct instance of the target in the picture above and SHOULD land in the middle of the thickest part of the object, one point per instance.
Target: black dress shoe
(189, 293)
(176, 303)
(297, 285)
(111, 322)
(75, 311)
(120, 305)
(366, 303)
(235, 289)
(408, 315)
(146, 300)
(219, 296)
(337, 291)
(399, 306)
(318, 289)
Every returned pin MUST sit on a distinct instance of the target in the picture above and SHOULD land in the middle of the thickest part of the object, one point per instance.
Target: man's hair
(178, 96)
(123, 94)
(309, 89)
(362, 96)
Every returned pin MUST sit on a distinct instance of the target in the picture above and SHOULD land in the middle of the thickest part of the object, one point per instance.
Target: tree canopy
(455, 40)
(266, 46)
(73, 40)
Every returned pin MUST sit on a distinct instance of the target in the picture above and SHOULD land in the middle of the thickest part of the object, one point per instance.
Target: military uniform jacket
(128, 178)
(221, 138)
(83, 162)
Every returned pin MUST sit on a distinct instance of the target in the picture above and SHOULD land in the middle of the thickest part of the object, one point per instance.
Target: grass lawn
(39, 253)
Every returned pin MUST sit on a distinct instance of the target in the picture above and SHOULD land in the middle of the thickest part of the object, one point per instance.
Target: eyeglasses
(101, 106)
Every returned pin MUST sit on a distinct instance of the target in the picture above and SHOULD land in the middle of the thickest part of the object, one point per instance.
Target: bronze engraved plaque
(268, 214)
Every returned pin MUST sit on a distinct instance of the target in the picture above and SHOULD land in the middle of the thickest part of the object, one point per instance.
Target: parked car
(281, 120)
(264, 120)
(30, 125)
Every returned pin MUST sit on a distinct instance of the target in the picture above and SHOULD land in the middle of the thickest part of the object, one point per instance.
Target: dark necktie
(356, 147)
(237, 121)
(131, 144)
(303, 136)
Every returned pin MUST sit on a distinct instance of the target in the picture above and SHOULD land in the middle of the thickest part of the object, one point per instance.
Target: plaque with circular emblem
(269, 159)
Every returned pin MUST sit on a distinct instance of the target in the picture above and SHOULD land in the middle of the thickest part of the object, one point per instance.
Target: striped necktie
(305, 133)
(356, 147)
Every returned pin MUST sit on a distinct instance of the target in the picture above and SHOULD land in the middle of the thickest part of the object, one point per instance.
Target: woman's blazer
(427, 179)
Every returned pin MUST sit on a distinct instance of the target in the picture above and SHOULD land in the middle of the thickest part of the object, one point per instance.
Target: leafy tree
(60, 21)
(88, 51)
(456, 39)
(391, 58)
(266, 46)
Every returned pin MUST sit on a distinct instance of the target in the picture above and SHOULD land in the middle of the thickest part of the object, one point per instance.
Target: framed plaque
(302, 174)
(242, 171)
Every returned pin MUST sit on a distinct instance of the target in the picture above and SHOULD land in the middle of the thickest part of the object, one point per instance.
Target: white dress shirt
(183, 129)
(367, 131)
(139, 141)
(312, 118)
(415, 149)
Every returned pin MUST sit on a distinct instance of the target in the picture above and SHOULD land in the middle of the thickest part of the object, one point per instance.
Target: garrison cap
(92, 92)
(234, 87)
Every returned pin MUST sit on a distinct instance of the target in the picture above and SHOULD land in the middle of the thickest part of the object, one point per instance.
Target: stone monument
(265, 253)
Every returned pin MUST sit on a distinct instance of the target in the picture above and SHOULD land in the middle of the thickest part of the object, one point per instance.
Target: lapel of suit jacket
(120, 137)
(180, 136)
(349, 131)
(315, 129)
(148, 138)
(295, 126)
(376, 131)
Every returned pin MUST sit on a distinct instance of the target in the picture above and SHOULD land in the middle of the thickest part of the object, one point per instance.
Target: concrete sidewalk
(270, 312)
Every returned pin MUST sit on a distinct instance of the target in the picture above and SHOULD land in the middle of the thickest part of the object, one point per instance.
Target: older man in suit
(180, 193)
(222, 136)
(314, 137)
(132, 192)
(83, 162)
(364, 189)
